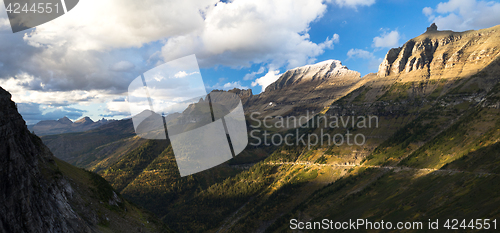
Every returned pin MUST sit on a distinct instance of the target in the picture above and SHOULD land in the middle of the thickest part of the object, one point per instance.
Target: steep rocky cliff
(39, 193)
(443, 54)
(434, 71)
(30, 202)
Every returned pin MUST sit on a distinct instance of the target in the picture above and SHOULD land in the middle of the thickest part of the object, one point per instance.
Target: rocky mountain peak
(65, 120)
(322, 71)
(85, 120)
(103, 120)
(30, 202)
(432, 28)
(309, 88)
(448, 53)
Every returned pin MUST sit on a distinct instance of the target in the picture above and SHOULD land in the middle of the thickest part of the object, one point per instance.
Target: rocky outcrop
(432, 28)
(242, 93)
(444, 53)
(30, 202)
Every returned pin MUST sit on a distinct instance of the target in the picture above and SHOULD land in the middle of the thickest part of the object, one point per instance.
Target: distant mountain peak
(85, 120)
(65, 125)
(242, 93)
(103, 120)
(322, 71)
(65, 120)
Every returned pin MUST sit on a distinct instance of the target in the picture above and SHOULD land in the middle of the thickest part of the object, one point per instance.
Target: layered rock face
(30, 202)
(439, 68)
(443, 54)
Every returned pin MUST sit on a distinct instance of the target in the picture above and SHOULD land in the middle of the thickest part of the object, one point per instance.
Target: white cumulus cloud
(233, 85)
(122, 66)
(353, 3)
(229, 86)
(359, 53)
(387, 40)
(182, 74)
(244, 32)
(461, 15)
(97, 25)
(267, 79)
(251, 75)
(329, 42)
(427, 11)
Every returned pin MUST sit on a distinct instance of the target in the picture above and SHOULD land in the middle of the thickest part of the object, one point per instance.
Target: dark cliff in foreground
(39, 193)
(31, 201)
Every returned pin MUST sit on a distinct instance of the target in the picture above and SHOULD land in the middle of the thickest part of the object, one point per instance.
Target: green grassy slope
(95, 200)
(440, 162)
(394, 176)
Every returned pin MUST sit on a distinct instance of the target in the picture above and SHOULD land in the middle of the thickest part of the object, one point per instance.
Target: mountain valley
(433, 154)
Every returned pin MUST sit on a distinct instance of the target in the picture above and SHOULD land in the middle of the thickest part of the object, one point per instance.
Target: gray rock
(33, 196)
(432, 28)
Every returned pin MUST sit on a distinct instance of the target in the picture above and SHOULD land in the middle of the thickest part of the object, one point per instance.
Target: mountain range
(65, 125)
(41, 193)
(433, 153)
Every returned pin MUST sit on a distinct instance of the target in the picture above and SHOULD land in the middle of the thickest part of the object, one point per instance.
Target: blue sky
(82, 63)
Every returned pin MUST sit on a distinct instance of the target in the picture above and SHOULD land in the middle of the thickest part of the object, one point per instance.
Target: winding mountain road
(395, 168)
